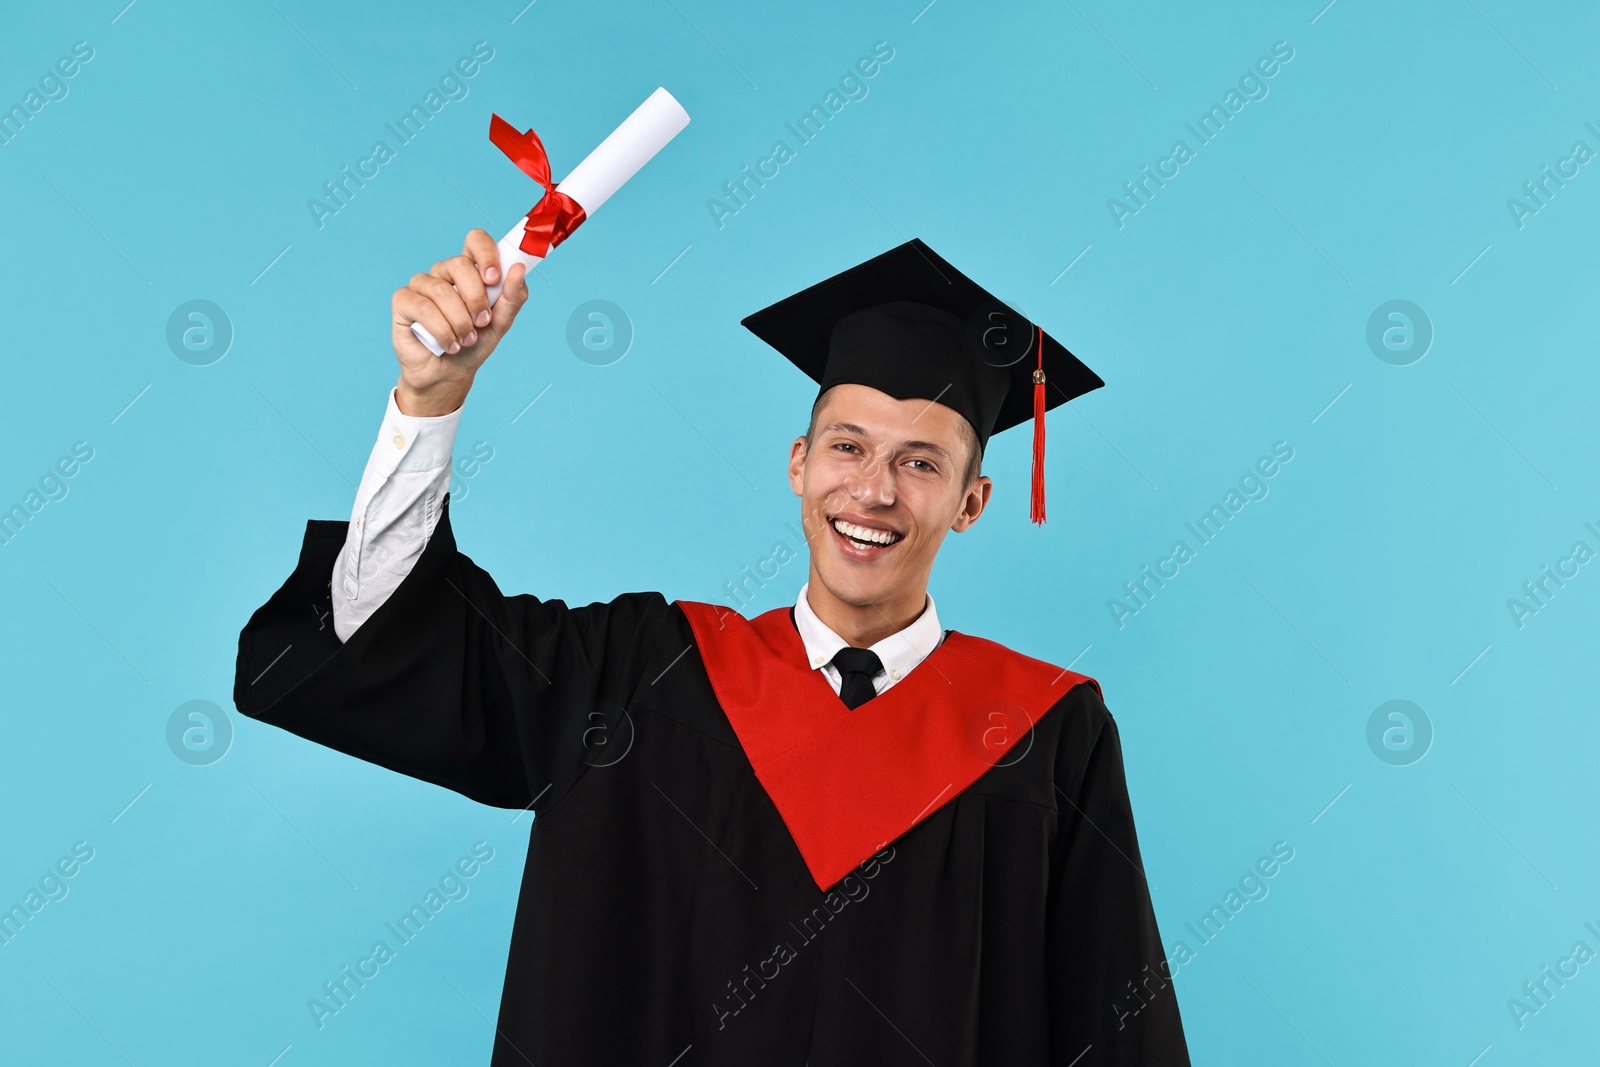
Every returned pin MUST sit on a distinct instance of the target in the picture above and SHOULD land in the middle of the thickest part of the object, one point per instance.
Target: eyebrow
(850, 427)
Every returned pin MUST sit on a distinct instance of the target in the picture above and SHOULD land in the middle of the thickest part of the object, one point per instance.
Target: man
(830, 835)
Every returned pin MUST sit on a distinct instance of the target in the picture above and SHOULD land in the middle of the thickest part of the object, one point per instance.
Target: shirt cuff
(415, 442)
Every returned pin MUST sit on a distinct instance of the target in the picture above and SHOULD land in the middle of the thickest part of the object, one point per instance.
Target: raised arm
(443, 677)
(408, 472)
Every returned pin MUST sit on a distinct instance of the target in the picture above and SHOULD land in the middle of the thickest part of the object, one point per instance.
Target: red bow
(556, 214)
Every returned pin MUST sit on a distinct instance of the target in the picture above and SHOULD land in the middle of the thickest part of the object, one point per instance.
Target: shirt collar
(900, 652)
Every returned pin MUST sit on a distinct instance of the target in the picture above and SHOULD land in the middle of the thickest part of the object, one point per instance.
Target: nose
(872, 484)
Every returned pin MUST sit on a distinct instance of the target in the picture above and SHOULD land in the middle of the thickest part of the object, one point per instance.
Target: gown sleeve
(1111, 996)
(504, 699)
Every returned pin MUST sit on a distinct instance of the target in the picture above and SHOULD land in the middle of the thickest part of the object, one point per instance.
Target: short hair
(969, 437)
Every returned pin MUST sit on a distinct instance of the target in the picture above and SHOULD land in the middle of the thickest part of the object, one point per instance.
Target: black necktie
(856, 667)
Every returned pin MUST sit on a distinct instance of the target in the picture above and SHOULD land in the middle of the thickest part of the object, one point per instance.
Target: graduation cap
(909, 324)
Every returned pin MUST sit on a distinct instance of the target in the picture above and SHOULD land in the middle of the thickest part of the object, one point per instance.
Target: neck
(864, 625)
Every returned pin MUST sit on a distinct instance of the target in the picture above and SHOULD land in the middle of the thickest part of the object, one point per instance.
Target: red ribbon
(556, 214)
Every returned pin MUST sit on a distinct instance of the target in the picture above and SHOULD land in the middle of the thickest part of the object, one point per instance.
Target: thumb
(512, 297)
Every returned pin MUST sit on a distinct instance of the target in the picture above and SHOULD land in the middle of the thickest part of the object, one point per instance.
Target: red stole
(846, 782)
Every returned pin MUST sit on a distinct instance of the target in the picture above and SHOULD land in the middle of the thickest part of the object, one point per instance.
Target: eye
(845, 444)
(929, 467)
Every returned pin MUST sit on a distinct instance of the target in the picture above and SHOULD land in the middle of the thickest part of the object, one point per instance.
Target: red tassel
(1036, 498)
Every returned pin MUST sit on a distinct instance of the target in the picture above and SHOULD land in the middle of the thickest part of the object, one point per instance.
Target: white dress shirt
(398, 505)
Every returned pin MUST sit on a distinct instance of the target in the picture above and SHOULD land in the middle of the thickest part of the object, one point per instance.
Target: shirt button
(819, 661)
(399, 440)
(894, 676)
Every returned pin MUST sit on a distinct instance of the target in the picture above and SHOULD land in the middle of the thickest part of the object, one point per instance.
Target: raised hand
(452, 302)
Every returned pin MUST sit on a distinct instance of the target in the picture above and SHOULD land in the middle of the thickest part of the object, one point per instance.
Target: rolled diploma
(591, 183)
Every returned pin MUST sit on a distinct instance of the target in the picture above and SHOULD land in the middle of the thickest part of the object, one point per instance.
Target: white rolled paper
(605, 170)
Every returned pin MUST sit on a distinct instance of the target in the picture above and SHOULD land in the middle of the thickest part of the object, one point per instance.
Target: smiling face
(881, 481)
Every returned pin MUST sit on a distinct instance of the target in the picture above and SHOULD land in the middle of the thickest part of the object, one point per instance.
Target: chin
(857, 586)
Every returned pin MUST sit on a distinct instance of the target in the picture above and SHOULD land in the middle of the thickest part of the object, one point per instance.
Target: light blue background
(1225, 316)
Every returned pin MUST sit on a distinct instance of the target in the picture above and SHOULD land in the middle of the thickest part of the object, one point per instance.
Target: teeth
(865, 533)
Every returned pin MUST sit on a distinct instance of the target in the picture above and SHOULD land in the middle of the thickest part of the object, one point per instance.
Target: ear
(972, 505)
(797, 464)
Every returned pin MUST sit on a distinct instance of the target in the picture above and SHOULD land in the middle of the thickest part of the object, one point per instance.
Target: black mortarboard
(911, 325)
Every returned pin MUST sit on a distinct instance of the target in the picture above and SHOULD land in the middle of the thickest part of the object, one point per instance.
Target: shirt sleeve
(397, 506)
(504, 699)
(1112, 1000)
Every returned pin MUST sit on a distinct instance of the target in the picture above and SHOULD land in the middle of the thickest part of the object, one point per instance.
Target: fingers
(482, 250)
(463, 273)
(452, 300)
(512, 297)
(413, 304)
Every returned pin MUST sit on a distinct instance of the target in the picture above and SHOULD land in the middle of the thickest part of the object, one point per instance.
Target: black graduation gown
(667, 915)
